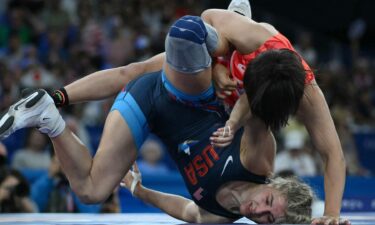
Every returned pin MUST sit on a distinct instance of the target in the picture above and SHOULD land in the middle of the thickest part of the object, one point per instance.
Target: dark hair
(22, 189)
(274, 83)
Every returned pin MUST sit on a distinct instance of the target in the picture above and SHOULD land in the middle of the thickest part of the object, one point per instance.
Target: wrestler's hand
(223, 136)
(224, 84)
(330, 220)
(132, 180)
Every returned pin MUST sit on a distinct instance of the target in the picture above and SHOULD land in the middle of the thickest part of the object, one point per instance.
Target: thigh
(116, 153)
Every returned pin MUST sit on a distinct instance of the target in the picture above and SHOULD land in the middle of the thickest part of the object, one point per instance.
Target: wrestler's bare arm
(178, 207)
(243, 33)
(240, 113)
(107, 83)
(316, 116)
(258, 146)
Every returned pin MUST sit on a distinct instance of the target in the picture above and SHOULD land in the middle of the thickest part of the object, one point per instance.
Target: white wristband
(137, 177)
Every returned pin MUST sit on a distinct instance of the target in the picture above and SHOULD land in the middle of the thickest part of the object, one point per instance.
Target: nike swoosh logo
(28, 98)
(229, 159)
(16, 107)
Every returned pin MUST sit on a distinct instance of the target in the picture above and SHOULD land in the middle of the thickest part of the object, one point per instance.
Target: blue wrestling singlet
(185, 123)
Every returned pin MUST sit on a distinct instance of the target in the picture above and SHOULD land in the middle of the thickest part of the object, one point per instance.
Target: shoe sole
(8, 122)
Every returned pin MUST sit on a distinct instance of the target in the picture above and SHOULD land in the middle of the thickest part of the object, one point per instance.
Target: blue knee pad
(188, 44)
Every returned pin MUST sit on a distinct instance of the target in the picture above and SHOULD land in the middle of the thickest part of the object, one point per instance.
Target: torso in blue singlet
(185, 124)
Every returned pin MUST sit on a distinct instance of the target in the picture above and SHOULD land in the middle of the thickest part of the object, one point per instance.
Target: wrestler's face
(265, 205)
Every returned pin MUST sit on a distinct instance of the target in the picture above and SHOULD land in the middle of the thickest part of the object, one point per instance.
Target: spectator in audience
(14, 193)
(38, 77)
(3, 156)
(13, 53)
(344, 121)
(295, 158)
(363, 77)
(3, 166)
(152, 154)
(8, 89)
(55, 16)
(34, 156)
(304, 46)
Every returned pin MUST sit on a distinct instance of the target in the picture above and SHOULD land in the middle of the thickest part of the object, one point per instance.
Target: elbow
(340, 158)
(337, 159)
(341, 162)
(126, 73)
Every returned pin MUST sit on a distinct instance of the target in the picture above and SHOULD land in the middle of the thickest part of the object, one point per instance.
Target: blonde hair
(299, 197)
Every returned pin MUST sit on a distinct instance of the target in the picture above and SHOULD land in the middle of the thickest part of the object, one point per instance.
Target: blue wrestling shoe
(36, 109)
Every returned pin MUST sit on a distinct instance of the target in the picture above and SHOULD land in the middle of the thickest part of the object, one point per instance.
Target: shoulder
(245, 34)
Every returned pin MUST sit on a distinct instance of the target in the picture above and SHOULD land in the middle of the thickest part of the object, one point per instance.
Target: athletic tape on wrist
(137, 177)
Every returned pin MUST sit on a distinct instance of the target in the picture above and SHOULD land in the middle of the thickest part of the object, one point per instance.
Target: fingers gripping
(133, 176)
(227, 131)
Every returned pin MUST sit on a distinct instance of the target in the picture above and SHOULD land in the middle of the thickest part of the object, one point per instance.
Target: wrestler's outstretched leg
(92, 179)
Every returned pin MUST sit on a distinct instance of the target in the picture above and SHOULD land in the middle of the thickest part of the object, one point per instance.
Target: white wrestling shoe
(35, 110)
(240, 6)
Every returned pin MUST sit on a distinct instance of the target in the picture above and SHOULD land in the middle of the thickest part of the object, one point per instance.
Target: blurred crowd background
(50, 43)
